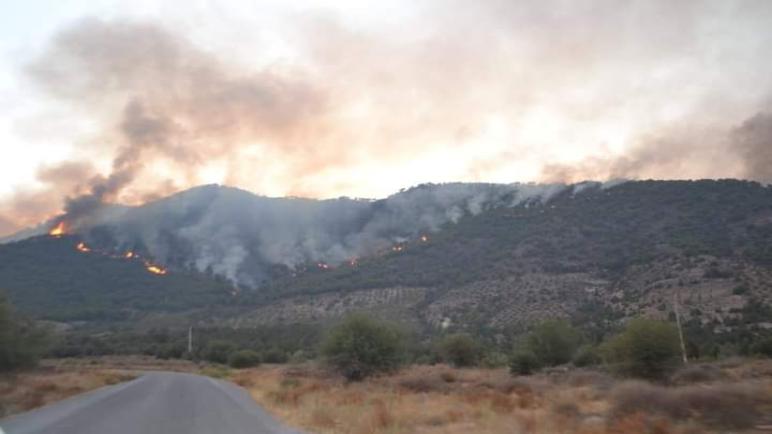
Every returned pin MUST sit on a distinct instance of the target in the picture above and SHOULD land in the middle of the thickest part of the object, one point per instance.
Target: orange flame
(58, 230)
(83, 247)
(155, 269)
(129, 255)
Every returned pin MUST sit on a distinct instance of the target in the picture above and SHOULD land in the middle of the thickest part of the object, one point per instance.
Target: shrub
(553, 342)
(217, 351)
(21, 341)
(243, 359)
(697, 374)
(360, 346)
(727, 406)
(459, 350)
(274, 355)
(646, 348)
(524, 363)
(763, 347)
(494, 359)
(586, 356)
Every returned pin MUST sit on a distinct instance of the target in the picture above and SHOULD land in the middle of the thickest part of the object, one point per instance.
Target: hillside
(49, 278)
(598, 255)
(589, 252)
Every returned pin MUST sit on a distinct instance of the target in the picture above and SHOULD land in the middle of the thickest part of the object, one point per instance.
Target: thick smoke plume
(493, 90)
(240, 236)
(172, 101)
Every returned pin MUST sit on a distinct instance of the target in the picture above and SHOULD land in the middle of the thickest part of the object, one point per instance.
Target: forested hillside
(593, 253)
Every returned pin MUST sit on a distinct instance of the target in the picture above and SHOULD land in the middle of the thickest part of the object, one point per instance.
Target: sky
(130, 101)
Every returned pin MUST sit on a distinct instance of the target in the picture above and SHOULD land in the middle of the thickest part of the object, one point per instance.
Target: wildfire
(323, 266)
(58, 230)
(424, 238)
(398, 248)
(83, 247)
(155, 269)
(129, 255)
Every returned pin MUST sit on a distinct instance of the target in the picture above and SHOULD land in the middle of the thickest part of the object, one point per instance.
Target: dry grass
(439, 399)
(27, 390)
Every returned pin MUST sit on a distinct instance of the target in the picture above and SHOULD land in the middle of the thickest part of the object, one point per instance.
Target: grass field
(730, 397)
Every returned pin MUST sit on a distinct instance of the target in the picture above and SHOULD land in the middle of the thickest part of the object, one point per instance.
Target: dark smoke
(753, 142)
(177, 102)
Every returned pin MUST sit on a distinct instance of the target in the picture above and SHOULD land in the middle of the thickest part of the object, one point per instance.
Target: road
(155, 403)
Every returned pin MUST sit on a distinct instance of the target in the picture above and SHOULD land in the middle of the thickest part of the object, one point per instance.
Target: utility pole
(680, 330)
(190, 340)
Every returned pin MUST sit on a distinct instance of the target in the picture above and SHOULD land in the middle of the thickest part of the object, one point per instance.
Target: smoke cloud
(493, 91)
(242, 237)
(753, 140)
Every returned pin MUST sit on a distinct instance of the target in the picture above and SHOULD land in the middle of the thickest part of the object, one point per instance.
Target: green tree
(646, 348)
(459, 350)
(360, 346)
(553, 342)
(21, 341)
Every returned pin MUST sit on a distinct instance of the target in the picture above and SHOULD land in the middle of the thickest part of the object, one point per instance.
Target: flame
(323, 266)
(155, 269)
(398, 248)
(424, 238)
(58, 230)
(83, 247)
(353, 262)
(129, 255)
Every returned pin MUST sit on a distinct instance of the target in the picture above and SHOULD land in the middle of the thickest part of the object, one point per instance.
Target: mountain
(481, 257)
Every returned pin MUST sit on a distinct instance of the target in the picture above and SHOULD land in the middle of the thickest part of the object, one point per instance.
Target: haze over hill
(243, 237)
(476, 256)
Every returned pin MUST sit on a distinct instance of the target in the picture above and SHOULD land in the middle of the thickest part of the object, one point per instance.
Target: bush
(553, 342)
(728, 406)
(459, 350)
(524, 363)
(646, 348)
(274, 355)
(586, 356)
(217, 351)
(494, 359)
(243, 359)
(21, 341)
(763, 347)
(360, 346)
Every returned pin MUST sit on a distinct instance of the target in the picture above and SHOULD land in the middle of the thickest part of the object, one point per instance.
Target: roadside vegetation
(733, 396)
(22, 341)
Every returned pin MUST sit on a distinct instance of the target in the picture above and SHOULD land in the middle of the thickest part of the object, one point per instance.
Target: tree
(459, 350)
(553, 342)
(360, 346)
(646, 348)
(21, 341)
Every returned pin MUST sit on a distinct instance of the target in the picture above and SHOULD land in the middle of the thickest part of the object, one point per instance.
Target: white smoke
(241, 237)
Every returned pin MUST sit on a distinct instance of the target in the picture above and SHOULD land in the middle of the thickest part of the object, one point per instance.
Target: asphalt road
(155, 403)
